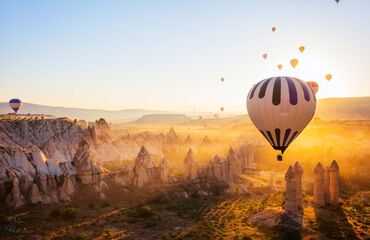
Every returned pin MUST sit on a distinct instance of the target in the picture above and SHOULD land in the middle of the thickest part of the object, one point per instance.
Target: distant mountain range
(327, 109)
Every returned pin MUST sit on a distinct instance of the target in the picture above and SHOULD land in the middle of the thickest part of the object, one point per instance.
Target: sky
(170, 55)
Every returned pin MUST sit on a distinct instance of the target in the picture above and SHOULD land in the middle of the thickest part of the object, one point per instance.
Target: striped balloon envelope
(280, 108)
(15, 104)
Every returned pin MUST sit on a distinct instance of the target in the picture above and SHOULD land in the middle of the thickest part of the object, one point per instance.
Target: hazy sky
(169, 55)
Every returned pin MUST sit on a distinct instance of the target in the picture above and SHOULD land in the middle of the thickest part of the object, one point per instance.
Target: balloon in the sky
(280, 66)
(222, 109)
(280, 108)
(314, 86)
(301, 49)
(222, 79)
(294, 62)
(264, 55)
(200, 117)
(273, 29)
(328, 77)
(15, 104)
(337, 1)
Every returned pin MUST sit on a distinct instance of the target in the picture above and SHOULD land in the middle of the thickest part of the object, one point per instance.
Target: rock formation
(191, 166)
(298, 170)
(163, 170)
(41, 158)
(234, 167)
(145, 171)
(319, 189)
(205, 140)
(326, 185)
(171, 136)
(291, 191)
(102, 125)
(334, 183)
(188, 140)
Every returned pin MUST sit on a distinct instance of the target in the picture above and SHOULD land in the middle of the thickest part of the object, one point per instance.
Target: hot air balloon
(264, 55)
(222, 109)
(301, 49)
(273, 29)
(294, 62)
(222, 79)
(328, 77)
(200, 117)
(314, 86)
(15, 104)
(337, 1)
(280, 66)
(280, 108)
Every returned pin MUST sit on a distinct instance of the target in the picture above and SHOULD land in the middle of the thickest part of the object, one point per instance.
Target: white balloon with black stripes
(280, 108)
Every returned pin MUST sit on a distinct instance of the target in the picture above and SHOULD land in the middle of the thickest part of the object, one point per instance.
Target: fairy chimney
(191, 166)
(163, 170)
(334, 183)
(298, 170)
(188, 140)
(291, 191)
(318, 188)
(234, 167)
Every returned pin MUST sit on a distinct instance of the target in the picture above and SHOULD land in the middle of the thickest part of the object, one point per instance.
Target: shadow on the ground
(333, 223)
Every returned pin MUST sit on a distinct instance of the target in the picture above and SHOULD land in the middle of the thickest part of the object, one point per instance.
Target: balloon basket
(279, 157)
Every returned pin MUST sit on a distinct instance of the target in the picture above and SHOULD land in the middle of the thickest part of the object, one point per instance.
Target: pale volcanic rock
(291, 191)
(171, 137)
(234, 167)
(205, 140)
(14, 198)
(334, 183)
(188, 140)
(319, 188)
(35, 195)
(163, 170)
(191, 166)
(142, 163)
(298, 170)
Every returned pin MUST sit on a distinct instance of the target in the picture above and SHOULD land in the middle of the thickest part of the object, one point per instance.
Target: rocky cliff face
(42, 159)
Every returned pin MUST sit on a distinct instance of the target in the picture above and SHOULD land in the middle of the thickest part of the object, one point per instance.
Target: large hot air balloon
(294, 62)
(314, 86)
(15, 104)
(280, 108)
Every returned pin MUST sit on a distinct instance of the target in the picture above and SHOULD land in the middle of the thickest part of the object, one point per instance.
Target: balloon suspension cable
(279, 157)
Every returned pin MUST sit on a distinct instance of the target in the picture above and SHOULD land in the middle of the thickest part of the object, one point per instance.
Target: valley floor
(146, 214)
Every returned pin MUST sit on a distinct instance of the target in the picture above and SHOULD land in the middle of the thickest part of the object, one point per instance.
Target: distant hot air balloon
(222, 109)
(15, 104)
(264, 55)
(301, 49)
(328, 77)
(294, 62)
(280, 108)
(337, 1)
(200, 117)
(314, 86)
(222, 79)
(280, 66)
(273, 29)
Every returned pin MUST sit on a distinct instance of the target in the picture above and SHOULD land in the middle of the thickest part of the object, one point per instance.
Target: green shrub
(69, 213)
(144, 211)
(81, 236)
